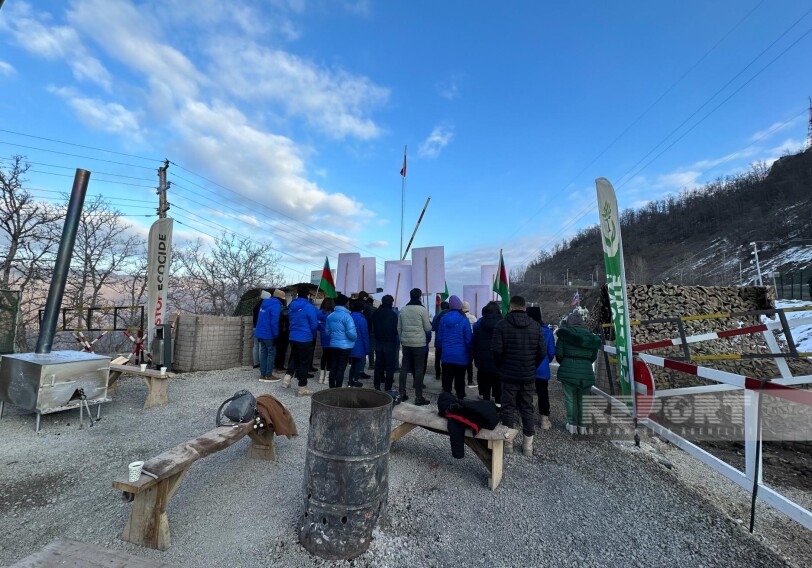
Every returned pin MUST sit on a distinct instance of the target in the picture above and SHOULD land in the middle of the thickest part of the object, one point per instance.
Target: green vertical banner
(616, 281)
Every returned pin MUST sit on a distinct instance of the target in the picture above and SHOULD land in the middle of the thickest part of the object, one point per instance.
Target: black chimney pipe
(63, 256)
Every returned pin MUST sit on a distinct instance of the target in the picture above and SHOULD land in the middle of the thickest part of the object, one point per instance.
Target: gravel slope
(562, 507)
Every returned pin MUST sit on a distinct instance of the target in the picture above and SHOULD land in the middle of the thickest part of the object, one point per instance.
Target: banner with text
(158, 253)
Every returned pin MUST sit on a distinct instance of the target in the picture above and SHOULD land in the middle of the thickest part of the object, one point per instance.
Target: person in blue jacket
(266, 332)
(327, 307)
(543, 370)
(303, 325)
(360, 349)
(454, 338)
(342, 332)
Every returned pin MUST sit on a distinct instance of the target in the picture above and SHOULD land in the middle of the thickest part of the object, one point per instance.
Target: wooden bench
(156, 382)
(148, 524)
(488, 445)
(74, 554)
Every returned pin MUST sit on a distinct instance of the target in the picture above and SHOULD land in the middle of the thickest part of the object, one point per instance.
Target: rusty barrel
(346, 479)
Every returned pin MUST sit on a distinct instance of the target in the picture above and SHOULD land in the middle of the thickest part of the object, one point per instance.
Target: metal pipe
(63, 258)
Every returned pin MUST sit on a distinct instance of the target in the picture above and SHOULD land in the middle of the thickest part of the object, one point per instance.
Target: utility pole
(758, 266)
(163, 185)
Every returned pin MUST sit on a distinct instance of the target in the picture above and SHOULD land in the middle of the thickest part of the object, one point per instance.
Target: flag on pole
(327, 285)
(440, 298)
(403, 169)
(500, 285)
(576, 299)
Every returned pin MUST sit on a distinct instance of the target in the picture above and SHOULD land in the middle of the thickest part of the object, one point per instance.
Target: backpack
(284, 322)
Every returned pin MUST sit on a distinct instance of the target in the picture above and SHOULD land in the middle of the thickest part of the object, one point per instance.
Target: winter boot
(508, 446)
(286, 381)
(304, 391)
(545, 422)
(527, 446)
(322, 377)
(572, 429)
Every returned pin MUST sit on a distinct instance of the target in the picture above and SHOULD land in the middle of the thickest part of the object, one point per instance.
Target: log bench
(67, 553)
(488, 445)
(156, 382)
(148, 524)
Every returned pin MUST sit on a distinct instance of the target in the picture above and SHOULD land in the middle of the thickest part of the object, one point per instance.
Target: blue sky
(301, 109)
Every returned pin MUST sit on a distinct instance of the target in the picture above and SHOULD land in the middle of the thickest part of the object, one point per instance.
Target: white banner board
(159, 250)
(477, 296)
(368, 280)
(398, 280)
(428, 269)
(348, 273)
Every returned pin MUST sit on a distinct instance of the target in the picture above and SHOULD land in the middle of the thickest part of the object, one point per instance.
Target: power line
(65, 193)
(97, 179)
(80, 145)
(10, 161)
(75, 155)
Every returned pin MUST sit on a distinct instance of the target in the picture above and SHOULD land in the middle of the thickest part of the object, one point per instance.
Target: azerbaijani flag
(403, 169)
(500, 285)
(327, 285)
(441, 297)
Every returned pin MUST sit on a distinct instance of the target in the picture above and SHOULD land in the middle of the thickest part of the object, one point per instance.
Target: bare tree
(29, 235)
(212, 281)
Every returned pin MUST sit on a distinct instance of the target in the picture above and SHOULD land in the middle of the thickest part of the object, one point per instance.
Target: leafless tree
(212, 279)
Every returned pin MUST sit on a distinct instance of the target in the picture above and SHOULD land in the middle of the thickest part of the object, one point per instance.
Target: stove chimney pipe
(63, 257)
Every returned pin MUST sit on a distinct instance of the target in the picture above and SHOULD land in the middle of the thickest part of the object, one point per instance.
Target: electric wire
(76, 155)
(80, 145)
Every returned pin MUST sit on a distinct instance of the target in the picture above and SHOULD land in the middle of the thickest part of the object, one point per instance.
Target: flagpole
(402, 198)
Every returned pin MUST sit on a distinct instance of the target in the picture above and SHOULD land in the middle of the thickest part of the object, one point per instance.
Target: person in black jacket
(438, 352)
(518, 348)
(369, 309)
(385, 329)
(282, 342)
(486, 369)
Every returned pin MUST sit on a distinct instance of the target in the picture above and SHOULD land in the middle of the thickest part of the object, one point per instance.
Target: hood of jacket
(519, 319)
(579, 337)
(298, 305)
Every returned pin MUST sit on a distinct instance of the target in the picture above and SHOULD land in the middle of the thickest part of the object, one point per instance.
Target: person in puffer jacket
(486, 369)
(576, 350)
(304, 322)
(327, 307)
(454, 338)
(341, 329)
(360, 349)
(413, 323)
(543, 371)
(518, 348)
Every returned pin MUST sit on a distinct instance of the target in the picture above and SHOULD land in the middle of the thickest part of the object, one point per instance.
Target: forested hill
(703, 236)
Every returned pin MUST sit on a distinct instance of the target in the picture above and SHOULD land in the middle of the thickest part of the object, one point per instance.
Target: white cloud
(358, 7)
(439, 138)
(775, 128)
(678, 180)
(100, 115)
(34, 34)
(334, 101)
(449, 88)
(712, 163)
(7, 69)
(378, 244)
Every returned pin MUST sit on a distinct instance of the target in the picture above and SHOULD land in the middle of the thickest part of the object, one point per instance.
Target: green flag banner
(616, 281)
(500, 285)
(327, 285)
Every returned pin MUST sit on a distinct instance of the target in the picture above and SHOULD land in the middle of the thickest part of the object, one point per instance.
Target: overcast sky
(286, 120)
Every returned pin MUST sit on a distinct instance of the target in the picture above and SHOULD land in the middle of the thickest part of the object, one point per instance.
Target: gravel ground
(562, 507)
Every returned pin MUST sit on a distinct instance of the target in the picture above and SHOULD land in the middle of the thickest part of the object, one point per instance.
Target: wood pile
(659, 301)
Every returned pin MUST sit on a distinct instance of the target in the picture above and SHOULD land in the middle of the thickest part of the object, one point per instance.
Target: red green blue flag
(327, 285)
(500, 285)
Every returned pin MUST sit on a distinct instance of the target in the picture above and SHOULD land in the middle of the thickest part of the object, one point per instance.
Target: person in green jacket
(576, 350)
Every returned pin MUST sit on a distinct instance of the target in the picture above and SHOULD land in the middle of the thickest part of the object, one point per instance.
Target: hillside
(702, 236)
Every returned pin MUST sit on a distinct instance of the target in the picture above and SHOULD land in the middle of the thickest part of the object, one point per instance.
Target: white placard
(398, 280)
(348, 273)
(428, 269)
(477, 296)
(368, 278)
(489, 274)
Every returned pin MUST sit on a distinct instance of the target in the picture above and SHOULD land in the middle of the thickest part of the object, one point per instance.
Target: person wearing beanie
(576, 350)
(413, 323)
(327, 307)
(360, 348)
(385, 329)
(454, 338)
(304, 323)
(518, 348)
(438, 354)
(469, 371)
(486, 369)
(543, 370)
(340, 327)
(266, 332)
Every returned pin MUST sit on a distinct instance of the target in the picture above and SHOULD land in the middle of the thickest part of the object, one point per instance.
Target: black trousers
(413, 362)
(543, 396)
(490, 385)
(281, 352)
(454, 374)
(438, 356)
(326, 352)
(518, 397)
(469, 371)
(338, 364)
(301, 354)
(386, 357)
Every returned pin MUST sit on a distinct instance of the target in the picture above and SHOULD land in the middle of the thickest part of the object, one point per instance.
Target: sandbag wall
(205, 343)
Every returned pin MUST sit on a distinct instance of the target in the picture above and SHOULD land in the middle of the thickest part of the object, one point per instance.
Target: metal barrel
(346, 480)
(63, 257)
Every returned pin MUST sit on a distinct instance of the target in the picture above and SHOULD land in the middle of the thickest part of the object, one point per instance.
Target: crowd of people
(511, 354)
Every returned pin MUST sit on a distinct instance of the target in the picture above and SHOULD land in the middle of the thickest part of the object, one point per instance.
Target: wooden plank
(134, 370)
(156, 393)
(497, 461)
(428, 418)
(399, 431)
(67, 553)
(263, 445)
